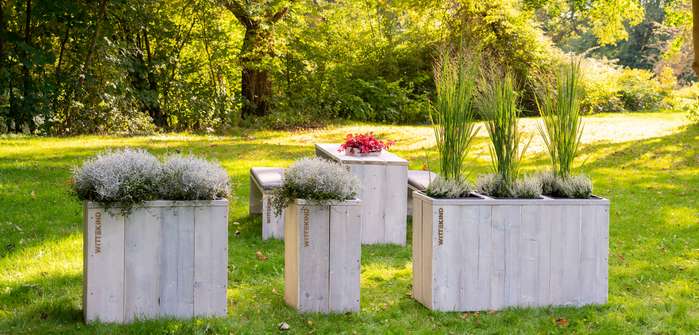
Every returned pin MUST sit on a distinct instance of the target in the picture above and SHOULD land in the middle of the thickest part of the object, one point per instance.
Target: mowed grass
(646, 164)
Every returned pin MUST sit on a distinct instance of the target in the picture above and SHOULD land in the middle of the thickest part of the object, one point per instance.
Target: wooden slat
(468, 254)
(547, 220)
(588, 232)
(556, 252)
(498, 264)
(293, 233)
(428, 276)
(344, 262)
(395, 206)
(602, 254)
(255, 199)
(417, 249)
(272, 224)
(446, 264)
(373, 179)
(313, 259)
(177, 262)
(103, 293)
(529, 254)
(512, 254)
(142, 263)
(571, 256)
(485, 256)
(210, 260)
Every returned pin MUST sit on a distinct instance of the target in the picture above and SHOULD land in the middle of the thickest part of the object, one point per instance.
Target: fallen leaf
(236, 223)
(284, 326)
(310, 322)
(562, 322)
(237, 232)
(465, 315)
(260, 256)
(33, 195)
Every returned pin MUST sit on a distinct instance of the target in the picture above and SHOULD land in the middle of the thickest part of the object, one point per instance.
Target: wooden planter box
(322, 252)
(162, 259)
(487, 254)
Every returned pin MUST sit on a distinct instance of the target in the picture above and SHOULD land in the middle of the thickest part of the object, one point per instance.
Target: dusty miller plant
(192, 178)
(123, 177)
(316, 180)
(494, 185)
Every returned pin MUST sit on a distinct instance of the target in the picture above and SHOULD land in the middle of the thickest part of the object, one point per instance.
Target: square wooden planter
(162, 259)
(322, 252)
(487, 254)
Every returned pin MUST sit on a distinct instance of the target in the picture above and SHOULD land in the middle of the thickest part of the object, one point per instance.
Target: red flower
(365, 143)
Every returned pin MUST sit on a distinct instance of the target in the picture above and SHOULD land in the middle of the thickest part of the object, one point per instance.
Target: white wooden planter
(487, 254)
(322, 252)
(162, 259)
(263, 181)
(383, 192)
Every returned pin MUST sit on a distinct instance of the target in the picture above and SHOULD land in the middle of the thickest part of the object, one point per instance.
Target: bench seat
(263, 181)
(418, 180)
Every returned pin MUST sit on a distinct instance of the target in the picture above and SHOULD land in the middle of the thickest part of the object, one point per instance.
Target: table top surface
(385, 158)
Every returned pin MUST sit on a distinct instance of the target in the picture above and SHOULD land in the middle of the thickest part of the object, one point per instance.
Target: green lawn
(646, 164)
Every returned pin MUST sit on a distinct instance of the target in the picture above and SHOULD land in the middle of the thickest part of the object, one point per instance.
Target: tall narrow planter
(322, 251)
(161, 259)
(487, 254)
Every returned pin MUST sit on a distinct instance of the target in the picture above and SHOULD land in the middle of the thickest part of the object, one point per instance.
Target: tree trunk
(28, 97)
(256, 82)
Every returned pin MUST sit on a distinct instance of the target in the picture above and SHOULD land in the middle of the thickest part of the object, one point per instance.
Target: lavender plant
(192, 178)
(494, 185)
(124, 177)
(317, 180)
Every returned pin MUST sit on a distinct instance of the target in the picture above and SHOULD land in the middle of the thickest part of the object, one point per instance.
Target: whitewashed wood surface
(162, 259)
(471, 255)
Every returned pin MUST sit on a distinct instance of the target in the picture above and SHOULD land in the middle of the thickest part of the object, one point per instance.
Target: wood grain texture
(177, 262)
(272, 224)
(314, 253)
(493, 254)
(142, 264)
(210, 261)
(103, 250)
(344, 261)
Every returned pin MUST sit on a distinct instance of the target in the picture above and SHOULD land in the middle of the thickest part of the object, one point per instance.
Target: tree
(258, 17)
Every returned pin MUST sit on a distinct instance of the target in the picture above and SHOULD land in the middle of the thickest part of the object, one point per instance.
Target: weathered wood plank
(395, 207)
(528, 245)
(571, 256)
(103, 294)
(344, 262)
(587, 255)
(428, 223)
(373, 179)
(555, 214)
(142, 264)
(255, 199)
(292, 232)
(512, 254)
(314, 259)
(177, 262)
(272, 224)
(468, 257)
(210, 260)
(498, 261)
(485, 255)
(602, 254)
(543, 269)
(418, 261)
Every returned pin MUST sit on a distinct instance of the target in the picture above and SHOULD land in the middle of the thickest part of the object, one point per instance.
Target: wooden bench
(418, 180)
(263, 180)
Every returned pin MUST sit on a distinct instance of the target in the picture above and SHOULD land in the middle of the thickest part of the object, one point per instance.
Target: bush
(640, 90)
(317, 180)
(192, 178)
(441, 188)
(129, 177)
(494, 185)
(125, 177)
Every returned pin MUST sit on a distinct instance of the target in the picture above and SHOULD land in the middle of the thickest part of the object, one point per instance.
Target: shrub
(125, 177)
(577, 187)
(494, 185)
(453, 113)
(640, 90)
(192, 178)
(317, 180)
(442, 188)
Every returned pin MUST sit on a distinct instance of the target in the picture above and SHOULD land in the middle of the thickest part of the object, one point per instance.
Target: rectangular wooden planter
(322, 252)
(161, 259)
(383, 192)
(487, 254)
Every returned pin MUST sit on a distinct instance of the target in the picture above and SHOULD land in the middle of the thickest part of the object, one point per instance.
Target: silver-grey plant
(124, 177)
(192, 178)
(442, 188)
(494, 185)
(577, 186)
(316, 180)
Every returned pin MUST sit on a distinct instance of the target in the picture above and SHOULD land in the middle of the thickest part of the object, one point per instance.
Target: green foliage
(452, 116)
(442, 188)
(562, 121)
(497, 103)
(576, 187)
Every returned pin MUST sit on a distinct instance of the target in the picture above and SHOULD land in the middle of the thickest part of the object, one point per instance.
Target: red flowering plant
(364, 144)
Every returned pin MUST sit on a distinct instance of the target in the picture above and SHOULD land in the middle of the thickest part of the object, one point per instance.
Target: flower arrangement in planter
(155, 236)
(505, 244)
(322, 236)
(364, 145)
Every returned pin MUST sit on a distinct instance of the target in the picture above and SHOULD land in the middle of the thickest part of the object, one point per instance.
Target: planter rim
(485, 200)
(353, 202)
(168, 203)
